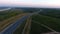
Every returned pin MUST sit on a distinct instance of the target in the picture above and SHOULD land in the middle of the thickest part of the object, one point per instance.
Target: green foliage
(7, 14)
(53, 23)
(51, 12)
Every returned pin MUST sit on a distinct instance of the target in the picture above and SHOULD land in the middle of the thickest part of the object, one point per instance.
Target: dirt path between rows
(27, 27)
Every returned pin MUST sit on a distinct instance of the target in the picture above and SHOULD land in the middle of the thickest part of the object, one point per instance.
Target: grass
(53, 23)
(8, 14)
(9, 21)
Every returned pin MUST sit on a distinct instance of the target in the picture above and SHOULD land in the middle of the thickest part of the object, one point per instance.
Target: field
(36, 28)
(47, 20)
(9, 13)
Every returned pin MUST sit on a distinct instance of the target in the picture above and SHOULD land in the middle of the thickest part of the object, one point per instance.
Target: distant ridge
(5, 9)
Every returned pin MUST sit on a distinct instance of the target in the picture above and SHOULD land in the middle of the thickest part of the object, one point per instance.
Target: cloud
(43, 3)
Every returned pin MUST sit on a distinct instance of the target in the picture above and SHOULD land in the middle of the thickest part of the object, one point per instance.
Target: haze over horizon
(31, 3)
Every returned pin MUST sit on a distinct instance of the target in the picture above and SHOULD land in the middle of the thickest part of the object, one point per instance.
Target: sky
(31, 3)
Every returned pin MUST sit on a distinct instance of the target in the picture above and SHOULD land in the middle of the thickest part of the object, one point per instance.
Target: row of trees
(51, 12)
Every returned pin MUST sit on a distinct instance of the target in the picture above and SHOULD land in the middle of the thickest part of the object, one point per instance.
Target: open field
(9, 21)
(36, 28)
(9, 13)
(40, 20)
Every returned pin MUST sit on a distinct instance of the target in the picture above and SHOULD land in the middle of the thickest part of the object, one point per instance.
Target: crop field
(36, 28)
